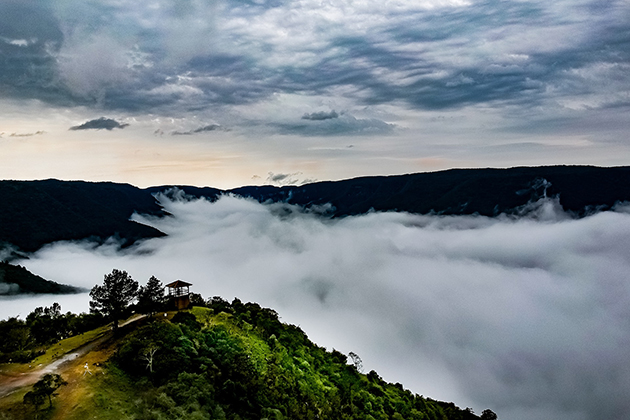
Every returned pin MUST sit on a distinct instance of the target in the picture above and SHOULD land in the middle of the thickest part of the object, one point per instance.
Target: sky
(528, 316)
(232, 93)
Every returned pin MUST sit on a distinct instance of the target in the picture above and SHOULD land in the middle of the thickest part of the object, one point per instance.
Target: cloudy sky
(527, 316)
(227, 93)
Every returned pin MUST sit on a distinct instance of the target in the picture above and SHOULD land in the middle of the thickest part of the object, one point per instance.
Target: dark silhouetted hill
(33, 213)
(15, 279)
(488, 192)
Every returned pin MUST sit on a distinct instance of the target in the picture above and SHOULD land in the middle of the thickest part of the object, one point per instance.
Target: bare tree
(147, 356)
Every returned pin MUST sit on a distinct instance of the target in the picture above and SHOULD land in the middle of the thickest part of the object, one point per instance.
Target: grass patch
(108, 396)
(13, 408)
(69, 344)
(14, 398)
(203, 315)
(12, 369)
(72, 343)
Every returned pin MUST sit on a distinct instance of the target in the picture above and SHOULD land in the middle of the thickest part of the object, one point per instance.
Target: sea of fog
(527, 315)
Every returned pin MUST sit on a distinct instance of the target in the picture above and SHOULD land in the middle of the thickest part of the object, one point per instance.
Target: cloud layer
(286, 86)
(527, 316)
(430, 55)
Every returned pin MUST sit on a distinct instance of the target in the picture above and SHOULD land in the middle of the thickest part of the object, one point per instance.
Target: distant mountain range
(34, 213)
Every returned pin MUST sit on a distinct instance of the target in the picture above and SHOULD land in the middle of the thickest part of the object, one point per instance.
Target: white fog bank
(527, 316)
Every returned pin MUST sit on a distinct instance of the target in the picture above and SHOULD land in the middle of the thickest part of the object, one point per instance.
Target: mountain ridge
(77, 210)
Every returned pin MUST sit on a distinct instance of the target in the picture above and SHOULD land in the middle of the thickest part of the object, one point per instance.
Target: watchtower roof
(178, 283)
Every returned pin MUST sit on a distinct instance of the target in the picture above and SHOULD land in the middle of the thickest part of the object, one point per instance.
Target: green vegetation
(218, 360)
(112, 396)
(151, 297)
(44, 389)
(238, 361)
(68, 345)
(28, 339)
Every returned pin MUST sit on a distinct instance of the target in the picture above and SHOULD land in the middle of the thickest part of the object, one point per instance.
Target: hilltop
(224, 361)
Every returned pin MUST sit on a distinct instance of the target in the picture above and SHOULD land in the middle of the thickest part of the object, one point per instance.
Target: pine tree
(114, 296)
(151, 297)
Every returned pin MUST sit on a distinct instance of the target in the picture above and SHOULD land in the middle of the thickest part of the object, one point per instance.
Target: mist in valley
(528, 315)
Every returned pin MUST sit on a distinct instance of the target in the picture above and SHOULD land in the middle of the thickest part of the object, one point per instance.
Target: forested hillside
(220, 360)
(580, 189)
(34, 213)
(17, 279)
(238, 361)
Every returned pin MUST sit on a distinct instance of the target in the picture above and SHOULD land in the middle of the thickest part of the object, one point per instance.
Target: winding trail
(10, 384)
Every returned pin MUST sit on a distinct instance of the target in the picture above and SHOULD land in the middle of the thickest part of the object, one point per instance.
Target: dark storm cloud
(342, 125)
(517, 73)
(211, 127)
(100, 124)
(524, 73)
(30, 37)
(29, 20)
(210, 81)
(204, 129)
(320, 116)
(277, 177)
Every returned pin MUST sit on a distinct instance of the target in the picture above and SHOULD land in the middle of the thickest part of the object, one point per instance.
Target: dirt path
(78, 379)
(9, 385)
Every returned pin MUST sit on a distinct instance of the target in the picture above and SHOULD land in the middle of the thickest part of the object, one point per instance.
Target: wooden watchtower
(179, 294)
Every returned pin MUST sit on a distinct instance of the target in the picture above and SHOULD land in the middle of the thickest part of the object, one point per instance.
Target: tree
(43, 388)
(54, 312)
(47, 324)
(34, 398)
(358, 365)
(196, 299)
(356, 361)
(114, 296)
(148, 356)
(151, 297)
(488, 415)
